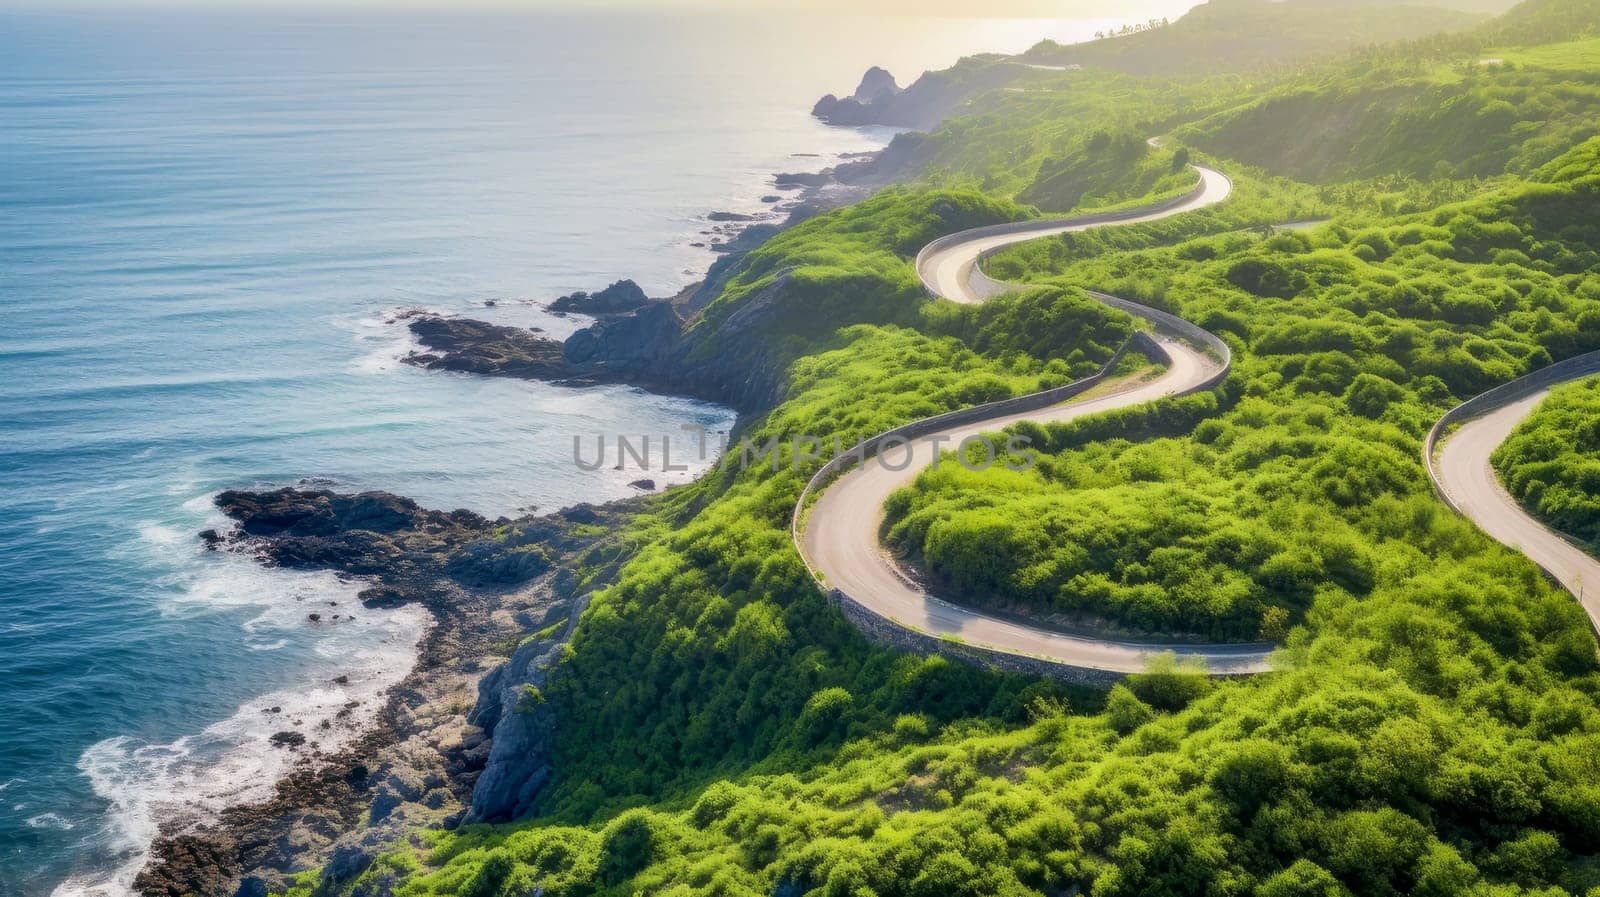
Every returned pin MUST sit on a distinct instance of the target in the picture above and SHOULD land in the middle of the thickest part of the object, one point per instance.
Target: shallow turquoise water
(206, 225)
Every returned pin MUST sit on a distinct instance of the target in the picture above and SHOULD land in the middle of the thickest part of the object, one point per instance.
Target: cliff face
(511, 709)
(635, 348)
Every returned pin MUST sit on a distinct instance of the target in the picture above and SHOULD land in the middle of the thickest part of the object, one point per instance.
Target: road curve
(839, 540)
(949, 266)
(1464, 478)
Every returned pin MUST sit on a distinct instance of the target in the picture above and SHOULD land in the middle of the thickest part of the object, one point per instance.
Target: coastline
(420, 753)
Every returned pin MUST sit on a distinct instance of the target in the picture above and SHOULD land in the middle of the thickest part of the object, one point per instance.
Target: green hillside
(1247, 35)
(1432, 725)
(1552, 462)
(1544, 21)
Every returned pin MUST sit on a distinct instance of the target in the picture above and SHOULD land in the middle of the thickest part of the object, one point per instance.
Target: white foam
(187, 781)
(156, 786)
(49, 820)
(386, 339)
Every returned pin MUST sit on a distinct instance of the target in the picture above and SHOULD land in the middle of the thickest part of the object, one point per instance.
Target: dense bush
(1551, 463)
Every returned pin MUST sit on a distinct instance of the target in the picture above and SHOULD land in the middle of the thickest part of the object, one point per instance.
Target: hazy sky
(1131, 10)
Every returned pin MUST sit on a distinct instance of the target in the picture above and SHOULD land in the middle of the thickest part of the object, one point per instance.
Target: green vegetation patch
(1551, 462)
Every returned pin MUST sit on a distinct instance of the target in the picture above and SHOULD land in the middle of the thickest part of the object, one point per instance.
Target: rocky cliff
(922, 105)
(654, 347)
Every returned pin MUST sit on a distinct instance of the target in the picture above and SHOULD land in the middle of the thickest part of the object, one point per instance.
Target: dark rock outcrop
(478, 347)
(730, 362)
(511, 709)
(628, 348)
(632, 348)
(191, 866)
(620, 298)
(803, 179)
(864, 107)
(384, 535)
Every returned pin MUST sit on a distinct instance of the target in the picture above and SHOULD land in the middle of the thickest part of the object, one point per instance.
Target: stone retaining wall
(885, 631)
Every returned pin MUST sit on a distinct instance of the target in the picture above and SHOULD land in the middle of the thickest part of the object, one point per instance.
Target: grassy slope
(1434, 730)
(1246, 35)
(1551, 463)
(1438, 109)
(1014, 142)
(1461, 121)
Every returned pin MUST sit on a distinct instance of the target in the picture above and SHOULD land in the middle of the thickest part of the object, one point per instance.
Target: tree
(628, 845)
(1125, 711)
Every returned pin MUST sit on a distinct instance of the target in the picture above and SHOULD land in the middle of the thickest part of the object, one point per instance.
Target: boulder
(620, 298)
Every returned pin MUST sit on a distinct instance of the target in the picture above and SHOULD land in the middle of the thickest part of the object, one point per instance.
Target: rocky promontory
(406, 546)
(634, 348)
(866, 106)
(926, 102)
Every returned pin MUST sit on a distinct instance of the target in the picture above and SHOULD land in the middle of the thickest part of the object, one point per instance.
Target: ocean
(208, 223)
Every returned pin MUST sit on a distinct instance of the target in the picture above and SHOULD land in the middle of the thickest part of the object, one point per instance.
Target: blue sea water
(207, 226)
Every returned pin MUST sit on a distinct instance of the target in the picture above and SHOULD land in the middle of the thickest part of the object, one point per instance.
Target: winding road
(839, 540)
(1464, 478)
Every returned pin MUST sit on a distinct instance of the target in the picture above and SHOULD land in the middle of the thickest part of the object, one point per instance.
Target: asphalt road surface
(840, 539)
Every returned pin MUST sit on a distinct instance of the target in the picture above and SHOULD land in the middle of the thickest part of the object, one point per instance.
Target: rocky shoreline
(486, 584)
(459, 739)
